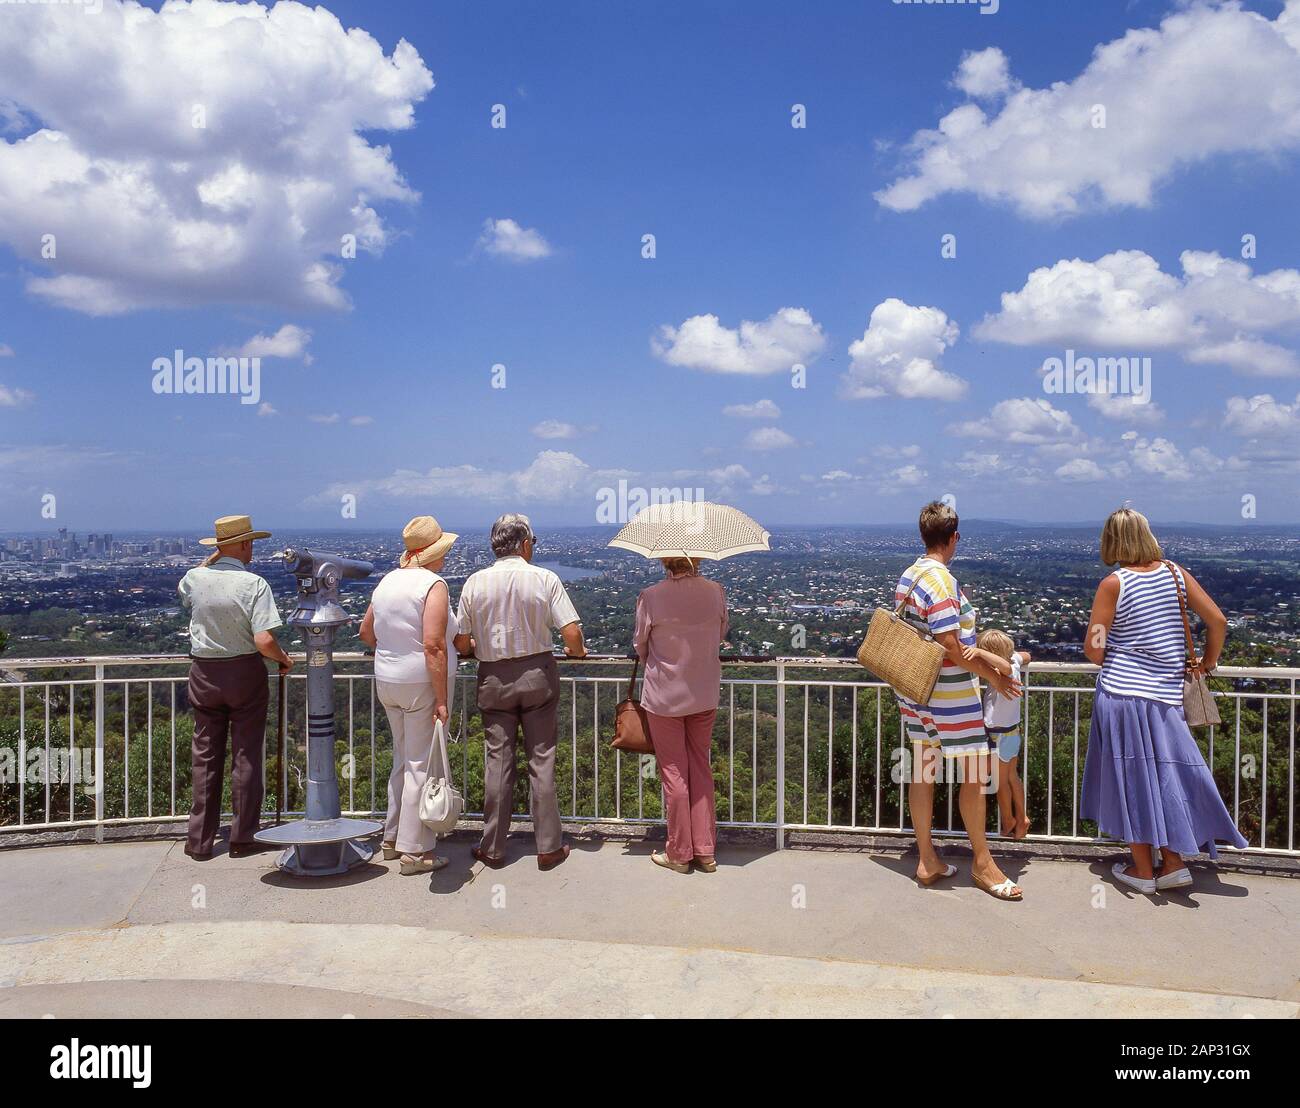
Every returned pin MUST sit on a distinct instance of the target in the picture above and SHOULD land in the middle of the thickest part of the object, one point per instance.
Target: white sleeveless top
(1146, 649)
(398, 602)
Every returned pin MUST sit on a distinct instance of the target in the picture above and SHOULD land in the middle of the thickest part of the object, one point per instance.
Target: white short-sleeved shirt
(398, 603)
(228, 604)
(1003, 711)
(511, 607)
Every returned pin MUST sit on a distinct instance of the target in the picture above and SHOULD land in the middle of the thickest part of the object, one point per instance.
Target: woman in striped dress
(947, 733)
(1144, 780)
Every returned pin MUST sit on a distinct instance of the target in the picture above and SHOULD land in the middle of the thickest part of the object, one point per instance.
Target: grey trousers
(515, 693)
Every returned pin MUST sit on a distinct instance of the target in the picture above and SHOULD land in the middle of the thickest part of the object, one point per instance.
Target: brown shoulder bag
(1199, 707)
(631, 727)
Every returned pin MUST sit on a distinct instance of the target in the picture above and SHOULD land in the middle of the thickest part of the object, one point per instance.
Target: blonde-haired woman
(680, 623)
(1144, 780)
(410, 626)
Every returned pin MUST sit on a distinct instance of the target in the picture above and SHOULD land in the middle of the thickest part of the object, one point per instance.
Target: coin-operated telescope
(324, 843)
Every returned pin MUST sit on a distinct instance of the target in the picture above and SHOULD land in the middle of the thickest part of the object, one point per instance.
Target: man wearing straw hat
(232, 614)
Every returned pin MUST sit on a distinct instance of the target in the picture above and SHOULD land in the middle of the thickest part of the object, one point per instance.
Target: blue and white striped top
(1146, 649)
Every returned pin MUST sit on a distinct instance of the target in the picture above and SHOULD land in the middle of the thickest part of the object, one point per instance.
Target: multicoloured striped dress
(953, 720)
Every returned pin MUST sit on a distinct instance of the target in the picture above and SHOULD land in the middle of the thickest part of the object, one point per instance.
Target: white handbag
(441, 804)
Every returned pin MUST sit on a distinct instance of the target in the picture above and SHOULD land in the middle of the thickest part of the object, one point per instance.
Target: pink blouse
(680, 623)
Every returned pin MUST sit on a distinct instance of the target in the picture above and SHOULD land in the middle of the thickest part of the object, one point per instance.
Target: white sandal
(942, 875)
(1004, 890)
(1145, 885)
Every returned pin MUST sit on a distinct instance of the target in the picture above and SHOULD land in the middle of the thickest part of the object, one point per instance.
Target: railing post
(780, 755)
(99, 752)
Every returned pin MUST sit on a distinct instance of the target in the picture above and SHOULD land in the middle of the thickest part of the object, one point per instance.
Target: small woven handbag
(901, 654)
(1199, 707)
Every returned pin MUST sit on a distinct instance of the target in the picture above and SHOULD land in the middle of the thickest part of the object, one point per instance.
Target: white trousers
(410, 718)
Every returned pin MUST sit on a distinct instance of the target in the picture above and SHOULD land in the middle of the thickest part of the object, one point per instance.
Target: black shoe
(198, 857)
(240, 850)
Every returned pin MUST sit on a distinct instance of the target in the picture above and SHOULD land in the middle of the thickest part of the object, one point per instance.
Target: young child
(1002, 722)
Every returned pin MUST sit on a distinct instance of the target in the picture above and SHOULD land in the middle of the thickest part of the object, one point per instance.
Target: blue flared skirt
(1144, 780)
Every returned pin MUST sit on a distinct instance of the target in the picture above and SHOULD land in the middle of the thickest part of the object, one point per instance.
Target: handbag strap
(434, 744)
(902, 604)
(631, 684)
(1182, 609)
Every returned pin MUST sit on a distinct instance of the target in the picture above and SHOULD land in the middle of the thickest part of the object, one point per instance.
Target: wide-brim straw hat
(425, 542)
(233, 529)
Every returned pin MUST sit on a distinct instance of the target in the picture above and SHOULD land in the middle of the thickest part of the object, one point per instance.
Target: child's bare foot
(1022, 828)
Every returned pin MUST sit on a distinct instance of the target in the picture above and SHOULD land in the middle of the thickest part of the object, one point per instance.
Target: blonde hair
(1126, 539)
(996, 642)
(677, 566)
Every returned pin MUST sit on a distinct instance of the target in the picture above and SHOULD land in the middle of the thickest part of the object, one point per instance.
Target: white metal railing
(800, 744)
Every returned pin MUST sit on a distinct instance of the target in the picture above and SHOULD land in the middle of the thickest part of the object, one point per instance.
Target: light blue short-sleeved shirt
(228, 605)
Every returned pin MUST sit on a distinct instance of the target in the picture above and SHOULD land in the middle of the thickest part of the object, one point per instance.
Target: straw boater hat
(425, 542)
(234, 529)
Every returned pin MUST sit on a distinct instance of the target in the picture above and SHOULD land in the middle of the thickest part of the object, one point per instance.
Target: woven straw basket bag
(902, 655)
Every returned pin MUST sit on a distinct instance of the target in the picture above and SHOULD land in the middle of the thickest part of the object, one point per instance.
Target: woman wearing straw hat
(410, 626)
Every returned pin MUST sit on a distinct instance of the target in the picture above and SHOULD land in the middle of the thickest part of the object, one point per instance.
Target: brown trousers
(229, 697)
(519, 693)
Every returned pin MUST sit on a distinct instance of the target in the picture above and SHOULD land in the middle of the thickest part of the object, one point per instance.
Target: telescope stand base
(321, 847)
(324, 861)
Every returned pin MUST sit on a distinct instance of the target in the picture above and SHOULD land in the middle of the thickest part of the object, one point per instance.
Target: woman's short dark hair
(938, 524)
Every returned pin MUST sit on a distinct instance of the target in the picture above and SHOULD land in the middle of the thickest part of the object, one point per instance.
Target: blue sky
(923, 373)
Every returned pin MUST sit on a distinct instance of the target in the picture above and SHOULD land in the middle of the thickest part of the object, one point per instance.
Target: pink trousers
(682, 749)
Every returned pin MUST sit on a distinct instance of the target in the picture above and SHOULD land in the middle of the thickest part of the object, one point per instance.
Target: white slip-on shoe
(1179, 879)
(1139, 884)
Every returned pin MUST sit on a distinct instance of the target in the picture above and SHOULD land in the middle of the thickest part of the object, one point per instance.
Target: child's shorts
(1008, 743)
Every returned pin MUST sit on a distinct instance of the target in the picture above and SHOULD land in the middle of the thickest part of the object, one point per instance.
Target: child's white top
(1003, 711)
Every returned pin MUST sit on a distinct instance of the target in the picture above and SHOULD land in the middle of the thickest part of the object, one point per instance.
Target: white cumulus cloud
(1038, 149)
(1216, 312)
(206, 153)
(1262, 416)
(898, 355)
(760, 409)
(768, 438)
(553, 476)
(504, 238)
(786, 338)
(15, 397)
(290, 341)
(554, 429)
(1028, 420)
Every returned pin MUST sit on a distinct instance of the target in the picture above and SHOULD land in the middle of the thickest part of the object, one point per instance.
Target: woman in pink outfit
(680, 623)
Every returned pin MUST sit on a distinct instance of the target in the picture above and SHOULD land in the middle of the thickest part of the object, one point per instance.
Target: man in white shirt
(506, 615)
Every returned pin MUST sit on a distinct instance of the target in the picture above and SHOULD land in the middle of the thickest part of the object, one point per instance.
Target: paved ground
(138, 928)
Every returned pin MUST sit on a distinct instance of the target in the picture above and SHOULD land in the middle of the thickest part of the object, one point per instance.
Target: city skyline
(879, 271)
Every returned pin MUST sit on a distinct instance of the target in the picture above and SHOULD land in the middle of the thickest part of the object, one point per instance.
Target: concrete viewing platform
(136, 928)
